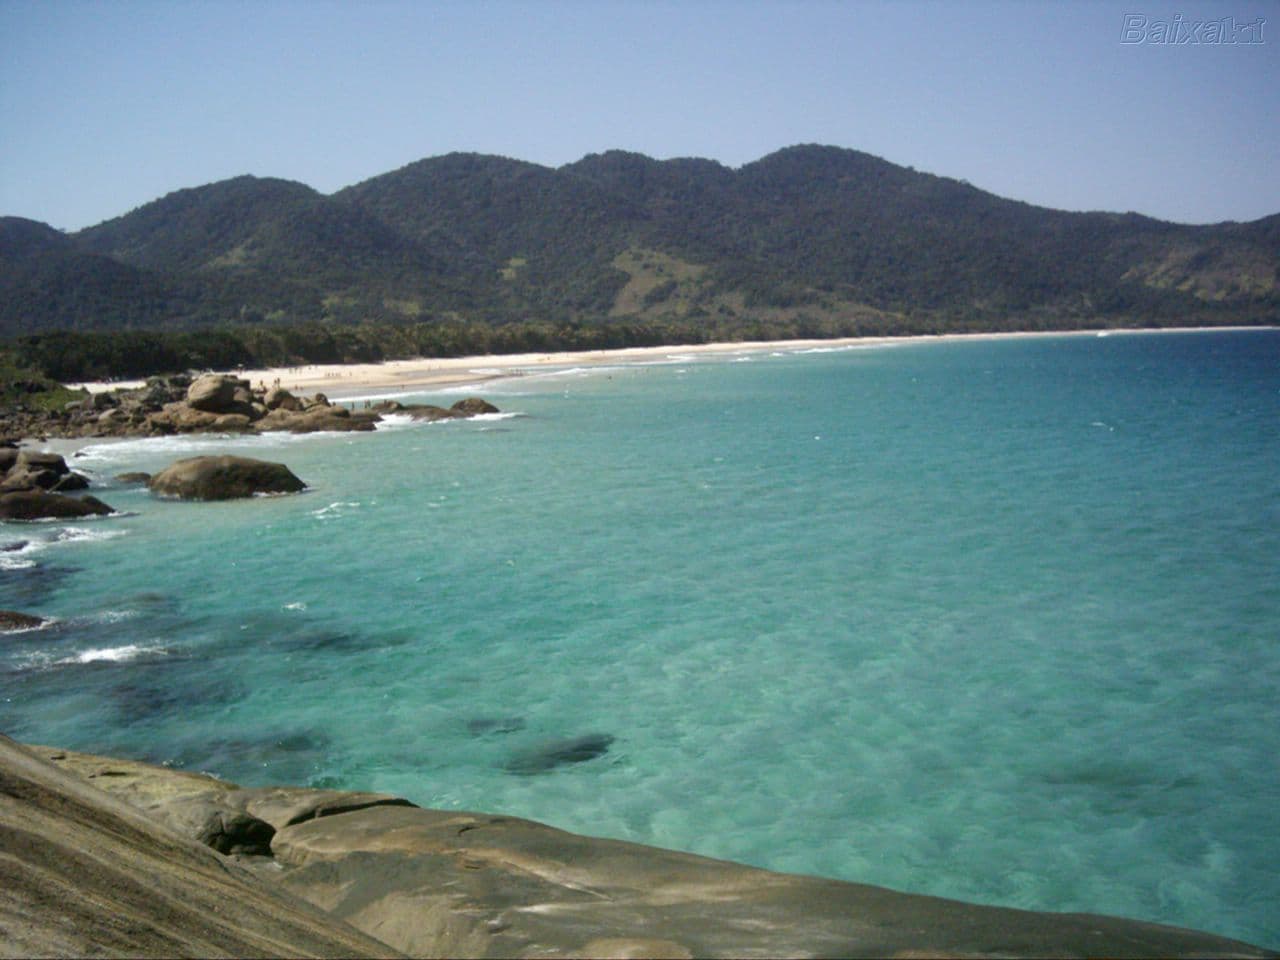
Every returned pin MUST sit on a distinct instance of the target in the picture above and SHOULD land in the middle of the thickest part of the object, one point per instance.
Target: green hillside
(467, 250)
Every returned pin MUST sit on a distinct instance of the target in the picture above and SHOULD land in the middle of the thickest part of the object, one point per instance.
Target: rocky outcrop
(34, 486)
(470, 407)
(429, 412)
(37, 470)
(210, 403)
(84, 873)
(278, 398)
(474, 406)
(223, 478)
(450, 883)
(13, 620)
(219, 393)
(43, 505)
(317, 417)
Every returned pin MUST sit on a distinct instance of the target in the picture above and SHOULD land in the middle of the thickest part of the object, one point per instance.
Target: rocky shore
(109, 857)
(37, 485)
(210, 403)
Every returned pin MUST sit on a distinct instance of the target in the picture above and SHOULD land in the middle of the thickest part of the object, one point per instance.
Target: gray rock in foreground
(448, 883)
(223, 478)
(83, 873)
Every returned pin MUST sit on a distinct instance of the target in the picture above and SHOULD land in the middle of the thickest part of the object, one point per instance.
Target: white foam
(296, 605)
(335, 510)
(842, 348)
(83, 534)
(394, 421)
(115, 616)
(129, 451)
(130, 651)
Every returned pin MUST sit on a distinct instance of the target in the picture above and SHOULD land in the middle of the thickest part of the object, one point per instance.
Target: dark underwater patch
(31, 587)
(546, 757)
(172, 686)
(283, 756)
(491, 726)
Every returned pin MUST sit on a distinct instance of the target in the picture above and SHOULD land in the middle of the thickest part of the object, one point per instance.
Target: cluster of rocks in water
(35, 486)
(212, 403)
(39, 485)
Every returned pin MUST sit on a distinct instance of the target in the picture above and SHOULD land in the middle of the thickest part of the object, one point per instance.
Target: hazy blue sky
(106, 105)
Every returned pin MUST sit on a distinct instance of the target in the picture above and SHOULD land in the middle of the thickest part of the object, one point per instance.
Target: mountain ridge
(810, 238)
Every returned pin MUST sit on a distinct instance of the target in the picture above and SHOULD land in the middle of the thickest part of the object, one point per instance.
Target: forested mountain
(809, 240)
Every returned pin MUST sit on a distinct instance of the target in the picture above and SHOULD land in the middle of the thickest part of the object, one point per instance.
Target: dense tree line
(129, 354)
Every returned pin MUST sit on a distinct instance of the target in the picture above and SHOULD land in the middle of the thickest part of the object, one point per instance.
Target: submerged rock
(559, 753)
(223, 478)
(484, 726)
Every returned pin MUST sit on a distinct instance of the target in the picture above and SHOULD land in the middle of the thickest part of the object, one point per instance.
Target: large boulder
(215, 392)
(13, 620)
(161, 390)
(182, 418)
(43, 505)
(41, 460)
(280, 398)
(473, 406)
(223, 478)
(37, 470)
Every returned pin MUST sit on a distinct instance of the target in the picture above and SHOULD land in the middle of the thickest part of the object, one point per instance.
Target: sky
(108, 104)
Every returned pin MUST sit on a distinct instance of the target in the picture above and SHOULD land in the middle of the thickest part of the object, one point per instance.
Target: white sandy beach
(339, 381)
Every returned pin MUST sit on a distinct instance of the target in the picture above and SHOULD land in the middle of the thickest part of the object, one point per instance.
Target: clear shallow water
(990, 620)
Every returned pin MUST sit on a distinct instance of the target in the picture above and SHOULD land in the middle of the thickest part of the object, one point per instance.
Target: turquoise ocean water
(995, 620)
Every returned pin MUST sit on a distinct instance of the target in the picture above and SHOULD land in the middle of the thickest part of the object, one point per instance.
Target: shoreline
(347, 381)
